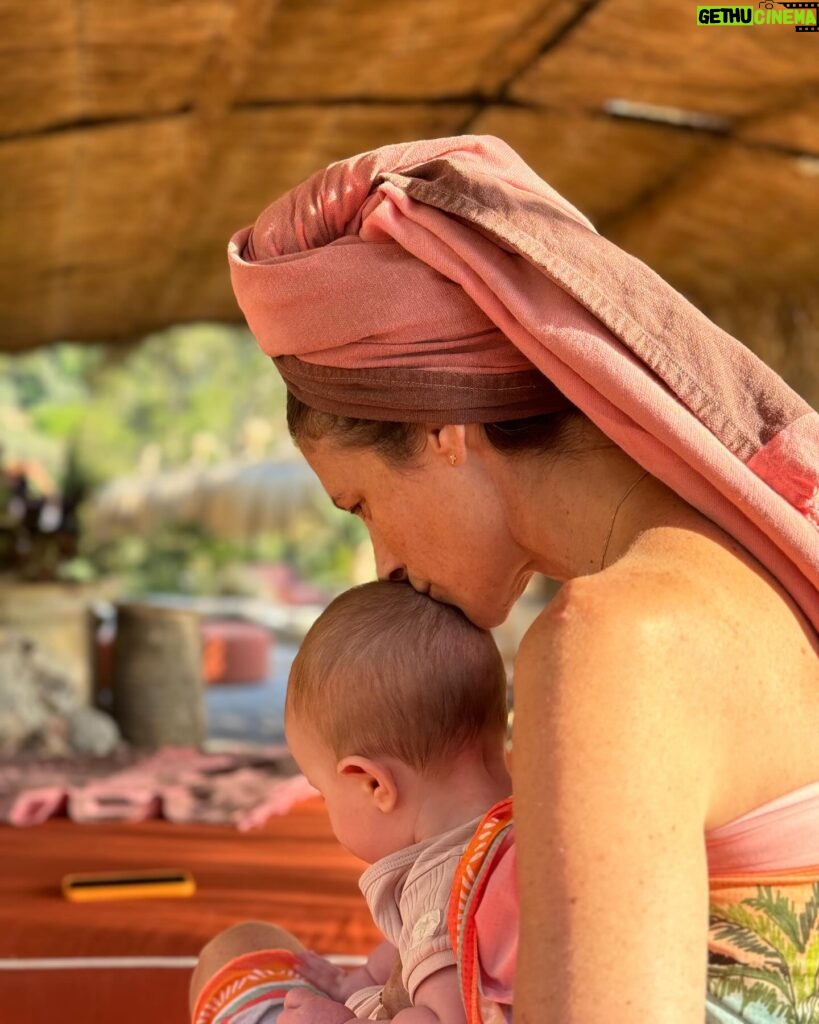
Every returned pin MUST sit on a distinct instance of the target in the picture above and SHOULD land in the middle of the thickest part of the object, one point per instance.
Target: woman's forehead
(338, 467)
(345, 478)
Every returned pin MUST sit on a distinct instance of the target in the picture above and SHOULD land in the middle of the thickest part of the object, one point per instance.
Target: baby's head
(389, 693)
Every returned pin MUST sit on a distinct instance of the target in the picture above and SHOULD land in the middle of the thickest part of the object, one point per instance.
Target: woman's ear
(450, 442)
(376, 779)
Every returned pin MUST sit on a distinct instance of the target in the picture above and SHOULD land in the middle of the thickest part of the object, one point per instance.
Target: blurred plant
(179, 558)
(39, 526)
(185, 558)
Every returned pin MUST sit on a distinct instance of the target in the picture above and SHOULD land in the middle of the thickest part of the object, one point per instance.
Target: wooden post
(57, 617)
(158, 698)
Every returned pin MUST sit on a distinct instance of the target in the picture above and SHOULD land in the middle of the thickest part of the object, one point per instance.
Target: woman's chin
(485, 617)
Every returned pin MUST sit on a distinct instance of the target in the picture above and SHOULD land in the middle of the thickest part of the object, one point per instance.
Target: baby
(396, 712)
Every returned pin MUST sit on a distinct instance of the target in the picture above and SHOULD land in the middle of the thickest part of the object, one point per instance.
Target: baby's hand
(303, 1007)
(323, 975)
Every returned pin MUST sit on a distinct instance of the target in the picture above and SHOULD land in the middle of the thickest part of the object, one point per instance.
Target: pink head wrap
(444, 280)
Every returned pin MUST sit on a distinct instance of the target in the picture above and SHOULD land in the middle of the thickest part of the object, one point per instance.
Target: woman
(497, 391)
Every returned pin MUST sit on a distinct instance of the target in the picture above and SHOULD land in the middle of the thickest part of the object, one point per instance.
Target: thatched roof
(136, 136)
(233, 500)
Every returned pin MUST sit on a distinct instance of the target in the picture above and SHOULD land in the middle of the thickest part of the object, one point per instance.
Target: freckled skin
(443, 526)
(670, 688)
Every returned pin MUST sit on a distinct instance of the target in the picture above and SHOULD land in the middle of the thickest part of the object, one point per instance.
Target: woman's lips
(421, 588)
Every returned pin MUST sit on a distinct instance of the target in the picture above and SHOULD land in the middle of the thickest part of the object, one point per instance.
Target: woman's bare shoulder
(711, 655)
(633, 638)
(679, 595)
(627, 611)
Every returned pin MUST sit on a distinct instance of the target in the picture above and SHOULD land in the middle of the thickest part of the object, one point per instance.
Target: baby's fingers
(302, 1007)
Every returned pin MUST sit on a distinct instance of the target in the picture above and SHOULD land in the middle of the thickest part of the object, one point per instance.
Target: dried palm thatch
(233, 500)
(134, 137)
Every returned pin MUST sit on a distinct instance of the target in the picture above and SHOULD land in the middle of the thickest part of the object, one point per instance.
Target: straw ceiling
(135, 136)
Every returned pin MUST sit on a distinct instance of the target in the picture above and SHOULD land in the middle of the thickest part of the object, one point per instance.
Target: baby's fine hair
(388, 672)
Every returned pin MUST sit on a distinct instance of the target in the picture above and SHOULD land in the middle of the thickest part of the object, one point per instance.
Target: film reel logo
(812, 5)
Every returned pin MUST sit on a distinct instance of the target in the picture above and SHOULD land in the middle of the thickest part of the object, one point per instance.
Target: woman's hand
(339, 983)
(331, 979)
(303, 1007)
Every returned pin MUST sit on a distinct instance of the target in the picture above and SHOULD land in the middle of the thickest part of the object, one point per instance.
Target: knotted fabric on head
(444, 281)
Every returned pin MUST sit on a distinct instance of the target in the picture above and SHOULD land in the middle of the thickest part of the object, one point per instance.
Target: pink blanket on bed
(175, 783)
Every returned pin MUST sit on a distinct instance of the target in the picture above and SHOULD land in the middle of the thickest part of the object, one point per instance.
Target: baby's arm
(437, 1001)
(340, 984)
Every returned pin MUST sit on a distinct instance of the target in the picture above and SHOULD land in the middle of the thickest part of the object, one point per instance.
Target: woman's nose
(387, 566)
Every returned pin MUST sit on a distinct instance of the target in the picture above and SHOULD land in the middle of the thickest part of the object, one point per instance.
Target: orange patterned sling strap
(471, 877)
(254, 979)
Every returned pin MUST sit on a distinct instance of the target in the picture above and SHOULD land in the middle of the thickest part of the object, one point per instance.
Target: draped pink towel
(401, 283)
(782, 835)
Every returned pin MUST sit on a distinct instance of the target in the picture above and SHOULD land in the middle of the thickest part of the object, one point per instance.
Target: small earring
(453, 459)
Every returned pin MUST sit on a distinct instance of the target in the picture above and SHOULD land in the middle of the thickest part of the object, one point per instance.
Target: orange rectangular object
(159, 883)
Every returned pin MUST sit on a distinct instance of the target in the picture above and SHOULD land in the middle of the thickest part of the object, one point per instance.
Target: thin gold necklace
(620, 504)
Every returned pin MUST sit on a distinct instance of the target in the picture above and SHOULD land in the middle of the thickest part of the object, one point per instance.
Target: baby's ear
(376, 779)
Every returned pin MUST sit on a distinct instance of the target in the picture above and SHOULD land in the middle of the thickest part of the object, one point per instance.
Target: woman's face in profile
(442, 527)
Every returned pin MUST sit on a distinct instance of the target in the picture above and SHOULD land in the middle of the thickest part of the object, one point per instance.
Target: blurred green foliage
(195, 393)
(113, 402)
(184, 558)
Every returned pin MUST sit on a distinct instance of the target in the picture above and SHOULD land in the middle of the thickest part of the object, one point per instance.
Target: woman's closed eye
(354, 510)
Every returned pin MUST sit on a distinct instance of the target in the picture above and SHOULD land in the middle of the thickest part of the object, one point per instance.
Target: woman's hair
(399, 442)
(388, 672)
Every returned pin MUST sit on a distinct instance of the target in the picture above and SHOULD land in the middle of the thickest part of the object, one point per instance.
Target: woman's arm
(612, 761)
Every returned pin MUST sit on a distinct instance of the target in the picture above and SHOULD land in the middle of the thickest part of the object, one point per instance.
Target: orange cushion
(234, 652)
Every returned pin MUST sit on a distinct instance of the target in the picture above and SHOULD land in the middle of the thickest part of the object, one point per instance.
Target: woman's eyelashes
(354, 510)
